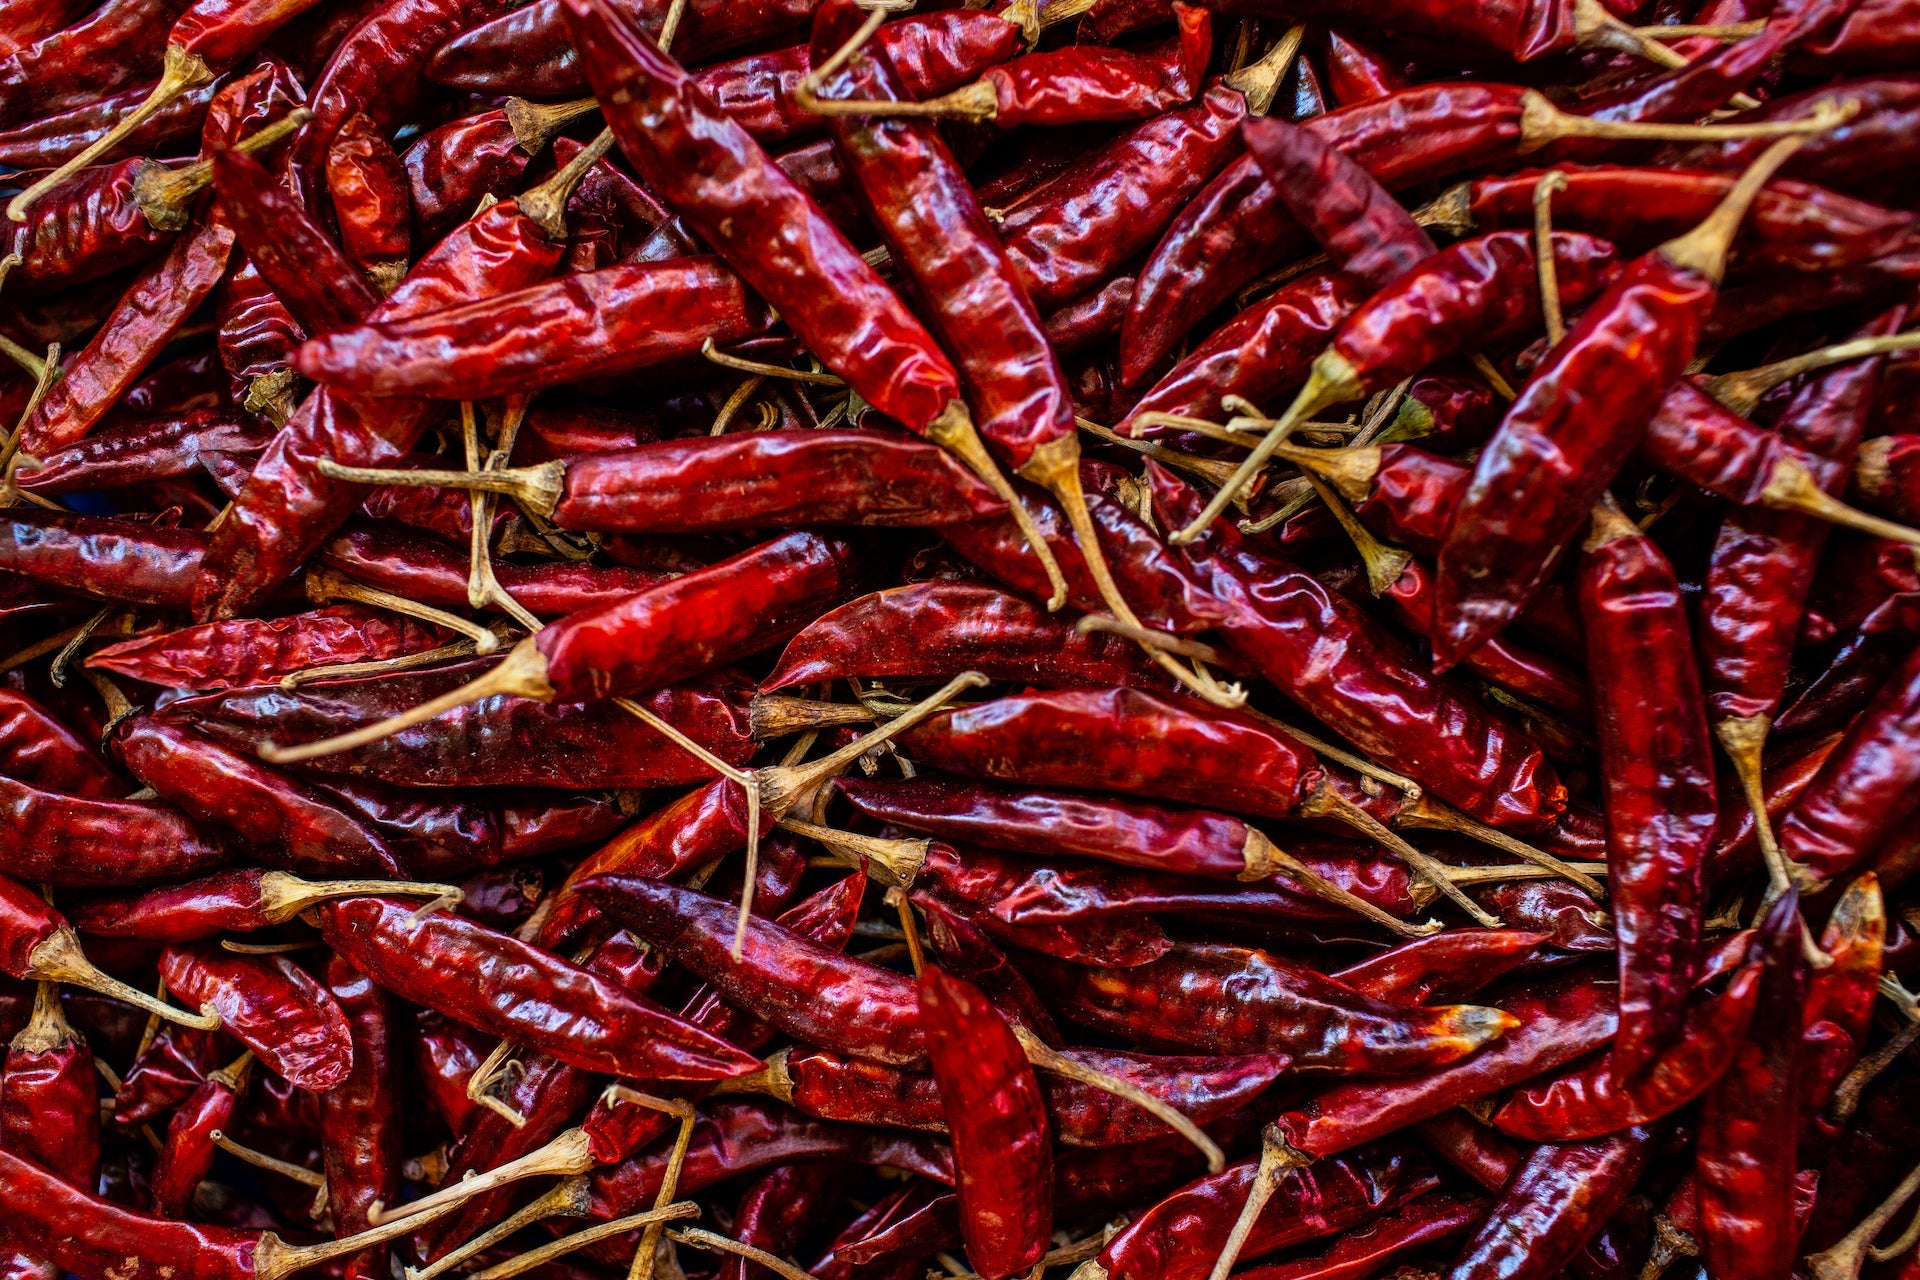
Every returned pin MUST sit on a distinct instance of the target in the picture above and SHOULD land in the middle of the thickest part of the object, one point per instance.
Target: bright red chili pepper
(269, 1004)
(37, 749)
(248, 651)
(291, 251)
(49, 1095)
(188, 1153)
(368, 187)
(1562, 1195)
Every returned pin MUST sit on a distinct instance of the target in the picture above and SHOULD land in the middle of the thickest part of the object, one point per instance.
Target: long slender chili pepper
(1001, 1142)
(58, 838)
(60, 135)
(188, 1153)
(248, 651)
(1573, 426)
(269, 1004)
(360, 1118)
(105, 50)
(306, 268)
(141, 450)
(1658, 767)
(1562, 1195)
(229, 902)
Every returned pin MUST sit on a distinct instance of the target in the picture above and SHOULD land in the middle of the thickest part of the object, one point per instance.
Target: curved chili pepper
(1558, 1199)
(269, 1004)
(1746, 1157)
(69, 840)
(1002, 1168)
(450, 168)
(360, 1118)
(250, 651)
(1366, 1249)
(1178, 1238)
(290, 250)
(40, 751)
(139, 451)
(1471, 1148)
(1446, 966)
(595, 324)
(187, 1155)
(109, 48)
(1593, 1100)
(231, 901)
(368, 187)
(935, 629)
(275, 817)
(49, 1096)
(1657, 760)
(979, 883)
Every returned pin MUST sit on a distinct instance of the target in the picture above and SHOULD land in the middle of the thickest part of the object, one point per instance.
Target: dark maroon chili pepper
(249, 651)
(276, 818)
(27, 23)
(175, 1063)
(137, 451)
(1470, 1147)
(367, 185)
(303, 264)
(37, 749)
(105, 558)
(93, 228)
(1447, 966)
(776, 1212)
(269, 1004)
(1368, 1248)
(1358, 73)
(1277, 1007)
(1558, 1199)
(1003, 1170)
(1324, 653)
(1849, 158)
(501, 741)
(751, 480)
(1886, 478)
(1179, 1238)
(108, 49)
(902, 1230)
(936, 629)
(63, 839)
(1591, 1100)
(1585, 409)
(1863, 792)
(257, 340)
(595, 324)
(49, 1095)
(1746, 1156)
(227, 902)
(360, 1119)
(187, 1155)
(1657, 761)
(528, 51)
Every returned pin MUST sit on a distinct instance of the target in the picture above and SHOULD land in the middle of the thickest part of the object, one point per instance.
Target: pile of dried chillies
(1117, 638)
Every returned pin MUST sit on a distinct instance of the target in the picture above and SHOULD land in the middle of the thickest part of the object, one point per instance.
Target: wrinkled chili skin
(257, 332)
(368, 188)
(1178, 1238)
(1559, 1198)
(748, 602)
(1222, 999)
(527, 994)
(776, 1211)
(1867, 787)
(1745, 1160)
(227, 901)
(249, 651)
(101, 557)
(505, 740)
(1327, 655)
(50, 1099)
(86, 230)
(1002, 1159)
(76, 841)
(269, 1004)
(918, 196)
(1591, 1100)
(450, 168)
(276, 818)
(1562, 441)
(1851, 157)
(177, 1061)
(1366, 232)
(40, 751)
(55, 138)
(929, 629)
(289, 248)
(707, 169)
(1086, 895)
(1658, 767)
(188, 1153)
(605, 323)
(360, 1117)
(1154, 745)
(116, 45)
(130, 453)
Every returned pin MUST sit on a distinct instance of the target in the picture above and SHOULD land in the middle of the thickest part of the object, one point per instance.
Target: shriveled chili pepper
(257, 339)
(65, 839)
(291, 251)
(368, 187)
(1574, 424)
(136, 452)
(188, 1153)
(1848, 160)
(174, 1063)
(49, 1095)
(1446, 966)
(1561, 1196)
(774, 1213)
(101, 557)
(535, 998)
(104, 51)
(38, 749)
(360, 1118)
(1593, 1099)
(228, 902)
(1657, 761)
(269, 1004)
(1001, 1140)
(252, 651)
(1885, 476)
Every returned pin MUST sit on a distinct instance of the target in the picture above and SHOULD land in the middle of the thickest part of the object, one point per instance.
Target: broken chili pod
(229, 902)
(1002, 1162)
(271, 1005)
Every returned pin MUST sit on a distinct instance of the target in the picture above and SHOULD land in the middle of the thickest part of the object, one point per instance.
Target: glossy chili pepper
(1001, 1141)
(450, 168)
(368, 187)
(1593, 1100)
(228, 902)
(976, 883)
(532, 997)
(1325, 654)
(36, 748)
(1561, 1196)
(1366, 1249)
(49, 1095)
(276, 818)
(1657, 760)
(1446, 966)
(1277, 1007)
(269, 1004)
(110, 48)
(901, 1232)
(360, 1118)
(92, 228)
(288, 507)
(138, 451)
(1364, 230)
(175, 1063)
(1473, 1149)
(66, 839)
(257, 339)
(304, 265)
(1848, 158)
(251, 651)
(188, 1153)
(595, 324)
(1178, 1238)
(776, 1211)
(1861, 793)
(1746, 1156)
(105, 558)
(935, 629)
(1574, 424)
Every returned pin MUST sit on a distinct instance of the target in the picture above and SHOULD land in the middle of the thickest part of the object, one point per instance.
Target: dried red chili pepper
(228, 902)
(1446, 966)
(1593, 1100)
(62, 839)
(1002, 1167)
(109, 48)
(775, 1213)
(360, 1118)
(138, 451)
(101, 557)
(290, 250)
(1558, 1199)
(1657, 761)
(188, 1153)
(250, 651)
(174, 1063)
(368, 187)
(36, 748)
(269, 1004)
(49, 1095)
